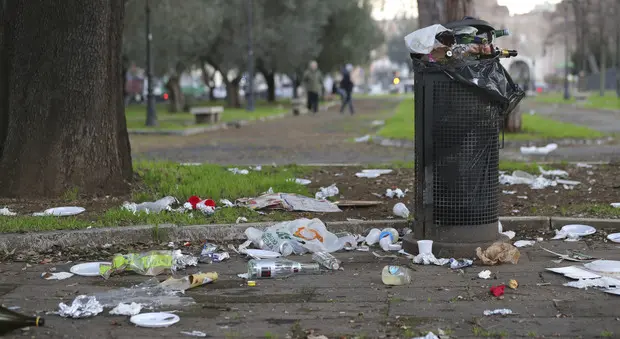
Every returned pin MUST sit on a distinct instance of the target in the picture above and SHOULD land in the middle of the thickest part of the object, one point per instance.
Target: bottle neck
(309, 267)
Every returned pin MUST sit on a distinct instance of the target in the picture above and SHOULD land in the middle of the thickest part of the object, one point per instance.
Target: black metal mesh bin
(458, 119)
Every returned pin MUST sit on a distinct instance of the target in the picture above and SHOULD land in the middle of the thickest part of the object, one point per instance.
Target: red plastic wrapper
(498, 291)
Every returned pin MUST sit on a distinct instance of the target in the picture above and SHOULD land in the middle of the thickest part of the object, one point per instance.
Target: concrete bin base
(454, 241)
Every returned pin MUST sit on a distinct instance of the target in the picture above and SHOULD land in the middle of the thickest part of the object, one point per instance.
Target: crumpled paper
(83, 306)
(398, 193)
(429, 259)
(500, 311)
(486, 274)
(326, 192)
(429, 335)
(56, 275)
(498, 252)
(126, 309)
(7, 212)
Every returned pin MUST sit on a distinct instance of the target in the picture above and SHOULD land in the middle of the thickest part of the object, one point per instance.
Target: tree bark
(62, 121)
(176, 97)
(431, 12)
(232, 92)
(271, 86)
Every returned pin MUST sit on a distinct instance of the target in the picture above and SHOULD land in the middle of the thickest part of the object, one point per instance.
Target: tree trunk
(457, 9)
(176, 95)
(431, 12)
(512, 121)
(271, 86)
(62, 121)
(232, 92)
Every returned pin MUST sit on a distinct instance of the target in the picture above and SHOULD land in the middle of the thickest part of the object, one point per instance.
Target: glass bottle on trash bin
(396, 275)
(278, 268)
(10, 321)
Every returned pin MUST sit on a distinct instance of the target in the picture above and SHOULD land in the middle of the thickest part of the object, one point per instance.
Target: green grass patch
(400, 125)
(159, 179)
(534, 127)
(136, 115)
(538, 127)
(554, 98)
(609, 101)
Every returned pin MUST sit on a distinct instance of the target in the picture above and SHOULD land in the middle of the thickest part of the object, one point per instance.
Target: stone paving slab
(346, 303)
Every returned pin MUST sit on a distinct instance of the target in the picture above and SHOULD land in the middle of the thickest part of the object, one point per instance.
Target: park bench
(207, 115)
(298, 106)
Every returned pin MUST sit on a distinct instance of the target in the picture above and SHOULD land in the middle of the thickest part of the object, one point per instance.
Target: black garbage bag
(487, 76)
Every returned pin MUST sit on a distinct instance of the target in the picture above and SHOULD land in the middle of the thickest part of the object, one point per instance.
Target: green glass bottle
(501, 32)
(10, 321)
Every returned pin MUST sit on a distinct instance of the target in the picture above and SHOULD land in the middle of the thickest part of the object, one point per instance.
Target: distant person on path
(347, 87)
(313, 81)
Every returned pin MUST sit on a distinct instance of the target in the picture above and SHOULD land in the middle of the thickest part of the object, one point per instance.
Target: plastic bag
(498, 252)
(422, 41)
(149, 294)
(150, 263)
(487, 76)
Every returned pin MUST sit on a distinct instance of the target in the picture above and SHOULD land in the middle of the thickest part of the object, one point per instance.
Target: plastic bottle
(278, 268)
(10, 321)
(373, 236)
(327, 260)
(396, 275)
(387, 237)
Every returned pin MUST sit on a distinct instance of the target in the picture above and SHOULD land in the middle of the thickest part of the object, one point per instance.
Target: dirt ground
(599, 187)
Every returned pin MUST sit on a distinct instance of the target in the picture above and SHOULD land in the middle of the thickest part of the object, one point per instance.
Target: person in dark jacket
(347, 87)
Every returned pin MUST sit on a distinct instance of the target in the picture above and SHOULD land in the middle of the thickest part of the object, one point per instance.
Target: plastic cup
(425, 246)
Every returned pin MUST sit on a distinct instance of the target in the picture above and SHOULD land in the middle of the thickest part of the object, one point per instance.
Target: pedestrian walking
(313, 82)
(346, 84)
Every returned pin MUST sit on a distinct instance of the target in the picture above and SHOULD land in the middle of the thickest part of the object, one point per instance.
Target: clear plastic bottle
(327, 260)
(396, 275)
(278, 268)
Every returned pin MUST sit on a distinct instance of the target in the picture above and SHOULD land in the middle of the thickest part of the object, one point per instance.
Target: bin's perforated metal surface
(463, 176)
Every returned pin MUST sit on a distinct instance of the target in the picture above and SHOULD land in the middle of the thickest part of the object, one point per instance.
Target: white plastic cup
(425, 246)
(400, 210)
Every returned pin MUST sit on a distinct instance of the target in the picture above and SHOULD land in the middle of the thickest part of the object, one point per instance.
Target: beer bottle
(10, 321)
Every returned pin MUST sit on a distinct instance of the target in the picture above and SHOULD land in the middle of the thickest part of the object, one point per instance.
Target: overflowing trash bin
(462, 94)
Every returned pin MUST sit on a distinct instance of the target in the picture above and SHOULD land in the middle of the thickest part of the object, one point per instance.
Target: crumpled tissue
(126, 309)
(429, 259)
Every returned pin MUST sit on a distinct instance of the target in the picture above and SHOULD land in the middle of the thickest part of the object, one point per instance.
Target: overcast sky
(393, 8)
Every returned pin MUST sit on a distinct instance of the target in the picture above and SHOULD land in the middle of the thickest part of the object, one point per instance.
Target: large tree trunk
(443, 11)
(62, 121)
(232, 92)
(177, 100)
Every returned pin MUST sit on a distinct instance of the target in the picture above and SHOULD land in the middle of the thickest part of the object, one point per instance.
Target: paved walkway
(322, 138)
(327, 138)
(601, 120)
(343, 304)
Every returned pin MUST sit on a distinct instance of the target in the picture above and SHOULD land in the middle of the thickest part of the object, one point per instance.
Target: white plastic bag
(423, 40)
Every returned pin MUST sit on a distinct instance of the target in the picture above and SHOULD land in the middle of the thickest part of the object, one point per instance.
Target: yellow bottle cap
(251, 283)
